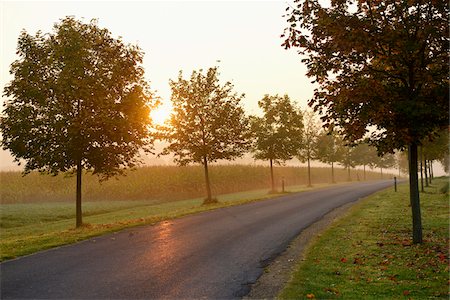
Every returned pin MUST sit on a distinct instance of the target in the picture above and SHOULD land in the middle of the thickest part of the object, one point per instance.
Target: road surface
(212, 255)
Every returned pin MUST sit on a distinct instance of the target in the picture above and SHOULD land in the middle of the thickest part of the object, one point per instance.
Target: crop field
(38, 211)
(161, 183)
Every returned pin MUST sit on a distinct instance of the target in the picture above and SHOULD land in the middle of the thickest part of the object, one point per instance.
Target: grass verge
(368, 254)
(31, 227)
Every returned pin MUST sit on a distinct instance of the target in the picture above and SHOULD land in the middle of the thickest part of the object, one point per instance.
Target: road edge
(279, 271)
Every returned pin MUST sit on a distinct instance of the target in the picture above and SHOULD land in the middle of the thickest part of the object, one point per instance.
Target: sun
(161, 114)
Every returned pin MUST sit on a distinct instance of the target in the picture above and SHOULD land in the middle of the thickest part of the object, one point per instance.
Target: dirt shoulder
(278, 273)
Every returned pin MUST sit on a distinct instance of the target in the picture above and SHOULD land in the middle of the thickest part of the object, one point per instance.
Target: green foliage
(369, 254)
(329, 147)
(438, 147)
(278, 134)
(364, 154)
(77, 95)
(207, 122)
(310, 135)
(385, 161)
(348, 159)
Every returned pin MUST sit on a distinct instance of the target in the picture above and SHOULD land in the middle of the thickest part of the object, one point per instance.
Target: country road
(212, 255)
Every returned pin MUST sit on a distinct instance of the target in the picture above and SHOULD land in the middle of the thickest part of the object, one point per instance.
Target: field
(369, 254)
(160, 183)
(38, 212)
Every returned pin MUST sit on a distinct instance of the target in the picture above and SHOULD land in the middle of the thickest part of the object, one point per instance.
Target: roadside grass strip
(368, 254)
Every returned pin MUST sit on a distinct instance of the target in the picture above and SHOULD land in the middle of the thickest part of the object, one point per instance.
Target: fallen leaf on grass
(406, 243)
(344, 260)
(406, 293)
(310, 296)
(442, 257)
(357, 261)
(393, 277)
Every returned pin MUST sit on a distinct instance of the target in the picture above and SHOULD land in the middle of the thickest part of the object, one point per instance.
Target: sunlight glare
(161, 114)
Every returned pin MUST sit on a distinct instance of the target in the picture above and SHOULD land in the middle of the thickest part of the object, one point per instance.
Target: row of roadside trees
(208, 124)
(79, 101)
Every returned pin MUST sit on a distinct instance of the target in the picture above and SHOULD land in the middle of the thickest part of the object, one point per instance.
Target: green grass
(368, 254)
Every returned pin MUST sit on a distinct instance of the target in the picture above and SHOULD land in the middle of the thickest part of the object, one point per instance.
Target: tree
(207, 123)
(384, 162)
(364, 155)
(78, 101)
(347, 159)
(436, 149)
(379, 64)
(401, 162)
(329, 149)
(310, 134)
(277, 134)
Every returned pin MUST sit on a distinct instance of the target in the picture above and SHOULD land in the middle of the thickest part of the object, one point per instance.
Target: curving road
(211, 255)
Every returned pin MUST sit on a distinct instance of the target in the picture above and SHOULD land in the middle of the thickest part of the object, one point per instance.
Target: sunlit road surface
(213, 255)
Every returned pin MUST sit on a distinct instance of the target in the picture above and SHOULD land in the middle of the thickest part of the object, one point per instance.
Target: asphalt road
(211, 255)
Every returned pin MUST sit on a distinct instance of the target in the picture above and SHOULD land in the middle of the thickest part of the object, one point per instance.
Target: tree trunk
(414, 194)
(429, 172)
(364, 172)
(271, 177)
(349, 178)
(381, 171)
(208, 185)
(431, 169)
(425, 167)
(309, 173)
(421, 170)
(332, 173)
(79, 214)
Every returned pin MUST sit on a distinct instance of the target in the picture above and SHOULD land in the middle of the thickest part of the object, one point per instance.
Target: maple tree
(207, 123)
(78, 101)
(381, 65)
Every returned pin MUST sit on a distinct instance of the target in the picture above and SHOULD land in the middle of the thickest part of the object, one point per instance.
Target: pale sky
(179, 35)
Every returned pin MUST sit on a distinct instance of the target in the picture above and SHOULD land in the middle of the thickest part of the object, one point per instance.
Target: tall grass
(159, 183)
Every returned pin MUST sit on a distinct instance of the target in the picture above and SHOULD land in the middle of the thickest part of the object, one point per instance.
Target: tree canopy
(378, 63)
(308, 150)
(78, 100)
(278, 133)
(329, 149)
(207, 123)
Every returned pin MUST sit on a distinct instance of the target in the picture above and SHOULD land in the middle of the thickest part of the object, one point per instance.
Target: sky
(241, 37)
